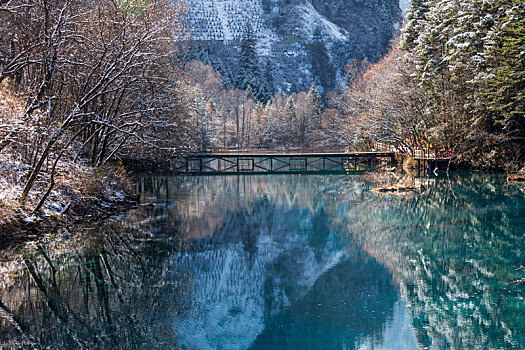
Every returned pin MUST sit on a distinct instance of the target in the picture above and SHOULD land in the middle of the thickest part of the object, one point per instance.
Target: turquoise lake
(279, 262)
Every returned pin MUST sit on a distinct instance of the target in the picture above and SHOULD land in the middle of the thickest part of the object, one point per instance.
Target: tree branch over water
(97, 73)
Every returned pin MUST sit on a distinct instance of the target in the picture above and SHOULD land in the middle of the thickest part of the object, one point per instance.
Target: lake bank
(80, 194)
(88, 193)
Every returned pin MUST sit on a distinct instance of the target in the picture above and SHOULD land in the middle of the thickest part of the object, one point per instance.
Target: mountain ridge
(306, 42)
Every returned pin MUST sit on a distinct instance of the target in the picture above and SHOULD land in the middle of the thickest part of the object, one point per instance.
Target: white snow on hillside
(312, 18)
(404, 4)
(227, 20)
(224, 19)
(284, 30)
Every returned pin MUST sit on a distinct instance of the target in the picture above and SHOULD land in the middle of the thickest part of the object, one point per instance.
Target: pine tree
(416, 17)
(467, 56)
(293, 88)
(506, 87)
(290, 122)
(290, 109)
(249, 75)
(225, 72)
(310, 117)
(268, 84)
(314, 99)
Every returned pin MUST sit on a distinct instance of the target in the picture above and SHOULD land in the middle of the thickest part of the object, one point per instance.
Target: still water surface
(280, 262)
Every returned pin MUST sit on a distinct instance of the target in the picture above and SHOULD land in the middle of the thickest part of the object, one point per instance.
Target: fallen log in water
(397, 188)
(516, 178)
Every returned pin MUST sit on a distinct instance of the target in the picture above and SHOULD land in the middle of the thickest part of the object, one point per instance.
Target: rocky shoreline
(82, 194)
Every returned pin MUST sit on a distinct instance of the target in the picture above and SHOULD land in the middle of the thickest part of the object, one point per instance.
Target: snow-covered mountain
(306, 41)
(404, 4)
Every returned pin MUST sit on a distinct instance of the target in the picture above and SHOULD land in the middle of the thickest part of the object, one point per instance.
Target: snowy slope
(285, 31)
(404, 4)
(224, 19)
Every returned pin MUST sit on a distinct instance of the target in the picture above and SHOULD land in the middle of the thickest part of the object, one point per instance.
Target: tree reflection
(453, 251)
(285, 260)
(103, 289)
(452, 248)
(275, 275)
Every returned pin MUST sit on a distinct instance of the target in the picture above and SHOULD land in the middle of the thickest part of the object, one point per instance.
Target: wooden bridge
(257, 163)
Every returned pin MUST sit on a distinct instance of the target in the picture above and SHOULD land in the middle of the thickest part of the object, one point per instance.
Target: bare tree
(384, 104)
(98, 76)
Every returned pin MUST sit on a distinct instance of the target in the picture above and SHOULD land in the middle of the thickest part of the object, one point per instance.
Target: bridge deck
(273, 162)
(293, 154)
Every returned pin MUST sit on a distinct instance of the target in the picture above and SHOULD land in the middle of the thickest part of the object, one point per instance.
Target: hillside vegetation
(454, 82)
(82, 84)
(85, 85)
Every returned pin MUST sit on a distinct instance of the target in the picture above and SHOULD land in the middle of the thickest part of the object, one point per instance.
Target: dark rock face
(306, 41)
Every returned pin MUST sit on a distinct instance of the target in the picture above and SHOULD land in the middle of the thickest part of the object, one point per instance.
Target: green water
(279, 262)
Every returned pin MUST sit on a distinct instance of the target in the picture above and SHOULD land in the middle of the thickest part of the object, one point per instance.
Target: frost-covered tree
(384, 104)
(467, 56)
(224, 71)
(98, 78)
(415, 23)
(249, 74)
(506, 82)
(309, 112)
(314, 101)
(290, 122)
(267, 87)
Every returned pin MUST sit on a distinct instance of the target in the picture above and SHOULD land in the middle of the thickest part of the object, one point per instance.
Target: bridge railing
(427, 154)
(284, 162)
(424, 153)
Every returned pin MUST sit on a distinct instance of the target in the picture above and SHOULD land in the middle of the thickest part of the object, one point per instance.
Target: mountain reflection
(284, 261)
(273, 267)
(451, 249)
(273, 278)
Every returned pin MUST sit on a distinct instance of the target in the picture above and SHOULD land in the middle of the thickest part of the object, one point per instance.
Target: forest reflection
(103, 287)
(453, 252)
(271, 267)
(286, 260)
(451, 249)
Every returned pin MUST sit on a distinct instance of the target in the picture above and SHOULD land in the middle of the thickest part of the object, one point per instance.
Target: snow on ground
(314, 19)
(223, 18)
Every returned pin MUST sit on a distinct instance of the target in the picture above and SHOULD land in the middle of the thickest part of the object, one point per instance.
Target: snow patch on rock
(312, 19)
